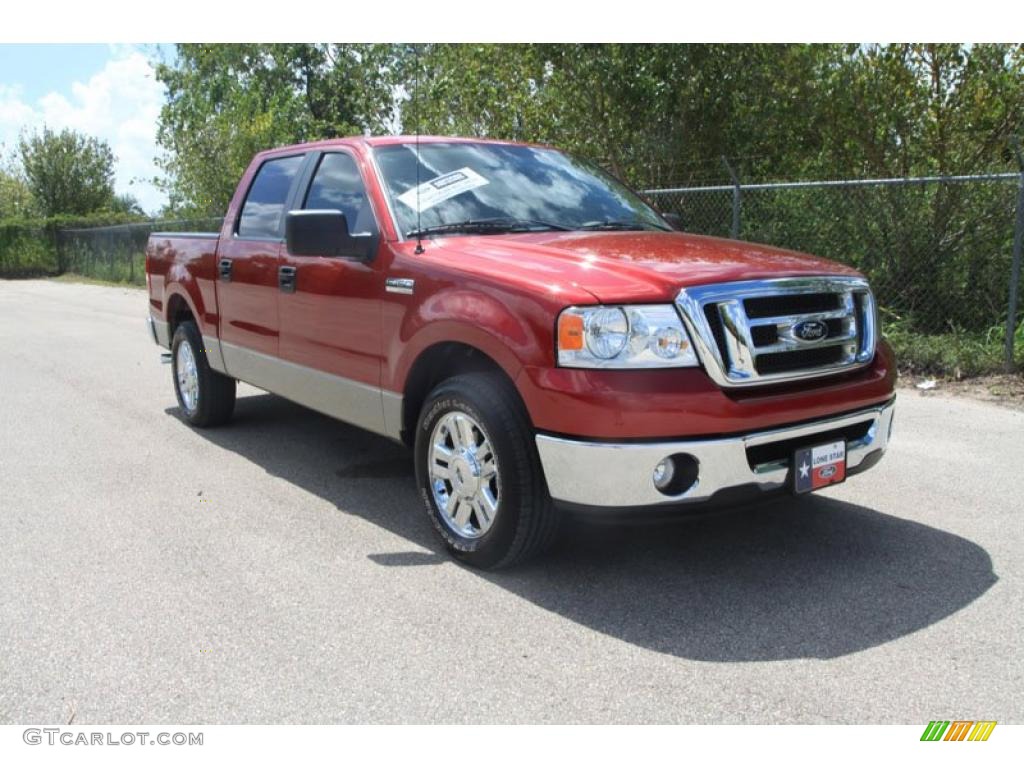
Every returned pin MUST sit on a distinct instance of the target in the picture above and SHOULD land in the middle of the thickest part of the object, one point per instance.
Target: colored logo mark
(958, 730)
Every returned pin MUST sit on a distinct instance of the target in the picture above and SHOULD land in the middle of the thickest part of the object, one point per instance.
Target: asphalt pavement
(281, 569)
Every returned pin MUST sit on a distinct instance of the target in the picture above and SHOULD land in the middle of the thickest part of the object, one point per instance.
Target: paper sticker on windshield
(442, 188)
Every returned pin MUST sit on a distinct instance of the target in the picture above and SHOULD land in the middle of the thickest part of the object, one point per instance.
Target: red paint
(181, 271)
(332, 321)
(500, 294)
(686, 403)
(248, 302)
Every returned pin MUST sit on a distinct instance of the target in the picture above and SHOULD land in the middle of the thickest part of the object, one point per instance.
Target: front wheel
(479, 474)
(206, 397)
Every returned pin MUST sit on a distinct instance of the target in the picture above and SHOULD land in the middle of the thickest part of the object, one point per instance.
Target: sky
(106, 91)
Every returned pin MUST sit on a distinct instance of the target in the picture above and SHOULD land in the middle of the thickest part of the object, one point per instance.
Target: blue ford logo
(810, 330)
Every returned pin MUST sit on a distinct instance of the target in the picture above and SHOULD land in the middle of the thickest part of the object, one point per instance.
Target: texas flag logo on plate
(817, 467)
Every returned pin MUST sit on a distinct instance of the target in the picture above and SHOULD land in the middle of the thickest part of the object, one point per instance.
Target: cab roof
(383, 141)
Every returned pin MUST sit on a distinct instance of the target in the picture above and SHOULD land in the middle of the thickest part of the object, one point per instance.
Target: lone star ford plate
(819, 467)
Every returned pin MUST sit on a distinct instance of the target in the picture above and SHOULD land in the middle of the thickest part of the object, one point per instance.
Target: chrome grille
(761, 331)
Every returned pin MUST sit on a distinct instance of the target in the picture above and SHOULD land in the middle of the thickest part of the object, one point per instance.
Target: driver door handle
(286, 279)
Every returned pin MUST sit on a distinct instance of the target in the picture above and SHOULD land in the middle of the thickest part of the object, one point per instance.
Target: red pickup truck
(539, 336)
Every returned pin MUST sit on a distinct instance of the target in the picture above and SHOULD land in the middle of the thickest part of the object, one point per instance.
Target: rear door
(330, 314)
(248, 258)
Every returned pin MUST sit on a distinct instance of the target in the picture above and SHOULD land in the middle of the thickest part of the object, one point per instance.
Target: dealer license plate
(819, 466)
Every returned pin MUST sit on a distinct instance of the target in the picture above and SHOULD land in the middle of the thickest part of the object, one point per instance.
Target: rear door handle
(286, 279)
(224, 270)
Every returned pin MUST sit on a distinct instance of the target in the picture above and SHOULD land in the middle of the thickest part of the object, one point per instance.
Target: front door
(330, 315)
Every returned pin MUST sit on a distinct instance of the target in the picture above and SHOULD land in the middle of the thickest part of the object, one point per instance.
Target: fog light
(676, 474)
(663, 473)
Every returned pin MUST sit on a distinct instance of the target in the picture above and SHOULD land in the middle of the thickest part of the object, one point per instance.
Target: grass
(957, 354)
(70, 277)
(124, 268)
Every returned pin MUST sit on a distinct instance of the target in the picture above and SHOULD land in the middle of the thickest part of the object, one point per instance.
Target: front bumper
(620, 475)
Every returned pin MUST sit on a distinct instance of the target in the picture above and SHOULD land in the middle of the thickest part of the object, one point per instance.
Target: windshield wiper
(612, 226)
(488, 227)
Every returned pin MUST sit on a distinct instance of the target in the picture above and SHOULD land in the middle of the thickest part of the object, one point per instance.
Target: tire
(206, 398)
(492, 471)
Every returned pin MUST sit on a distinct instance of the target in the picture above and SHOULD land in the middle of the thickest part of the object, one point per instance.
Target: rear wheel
(479, 474)
(206, 397)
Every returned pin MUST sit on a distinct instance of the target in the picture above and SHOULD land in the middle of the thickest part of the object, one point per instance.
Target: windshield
(491, 188)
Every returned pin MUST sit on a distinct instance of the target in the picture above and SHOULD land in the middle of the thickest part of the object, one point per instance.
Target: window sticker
(442, 188)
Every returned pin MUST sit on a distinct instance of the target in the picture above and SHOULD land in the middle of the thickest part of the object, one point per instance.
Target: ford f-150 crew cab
(539, 336)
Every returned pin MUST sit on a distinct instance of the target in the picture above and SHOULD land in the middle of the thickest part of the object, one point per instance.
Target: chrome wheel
(463, 475)
(188, 376)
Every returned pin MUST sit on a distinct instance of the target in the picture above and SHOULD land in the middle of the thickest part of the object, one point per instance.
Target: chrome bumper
(617, 475)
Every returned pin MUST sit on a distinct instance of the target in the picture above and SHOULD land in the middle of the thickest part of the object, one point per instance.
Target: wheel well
(177, 313)
(434, 365)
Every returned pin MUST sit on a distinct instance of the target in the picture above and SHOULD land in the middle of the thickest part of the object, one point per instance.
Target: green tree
(227, 102)
(15, 196)
(126, 203)
(913, 109)
(666, 114)
(67, 172)
(653, 114)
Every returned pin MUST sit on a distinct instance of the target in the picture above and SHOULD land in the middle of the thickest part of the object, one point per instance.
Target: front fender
(510, 330)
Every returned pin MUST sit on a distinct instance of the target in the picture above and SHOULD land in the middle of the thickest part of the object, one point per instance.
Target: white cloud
(120, 104)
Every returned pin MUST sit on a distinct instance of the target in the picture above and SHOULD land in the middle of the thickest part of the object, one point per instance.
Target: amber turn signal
(570, 332)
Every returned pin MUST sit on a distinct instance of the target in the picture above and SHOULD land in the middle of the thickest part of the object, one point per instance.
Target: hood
(629, 266)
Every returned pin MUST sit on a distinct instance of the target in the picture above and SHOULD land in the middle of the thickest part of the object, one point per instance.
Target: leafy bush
(956, 354)
(27, 249)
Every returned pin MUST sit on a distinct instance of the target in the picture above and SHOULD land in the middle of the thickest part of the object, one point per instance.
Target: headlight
(641, 336)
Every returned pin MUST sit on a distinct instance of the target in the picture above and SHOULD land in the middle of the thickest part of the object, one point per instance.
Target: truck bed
(186, 261)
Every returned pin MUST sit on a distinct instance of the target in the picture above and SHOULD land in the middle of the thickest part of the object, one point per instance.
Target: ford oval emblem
(827, 472)
(810, 330)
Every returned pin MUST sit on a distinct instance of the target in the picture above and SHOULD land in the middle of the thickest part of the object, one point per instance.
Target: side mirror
(674, 219)
(325, 233)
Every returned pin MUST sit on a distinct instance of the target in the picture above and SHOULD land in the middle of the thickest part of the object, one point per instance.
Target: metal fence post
(54, 234)
(734, 230)
(1018, 243)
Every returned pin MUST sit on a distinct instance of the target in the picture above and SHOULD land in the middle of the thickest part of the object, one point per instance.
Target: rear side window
(264, 205)
(338, 186)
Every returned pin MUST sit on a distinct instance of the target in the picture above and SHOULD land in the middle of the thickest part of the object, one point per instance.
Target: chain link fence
(117, 253)
(940, 252)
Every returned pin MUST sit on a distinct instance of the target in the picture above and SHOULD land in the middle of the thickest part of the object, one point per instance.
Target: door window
(264, 205)
(338, 186)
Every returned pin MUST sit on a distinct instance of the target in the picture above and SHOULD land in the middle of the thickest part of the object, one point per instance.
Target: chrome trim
(617, 475)
(354, 402)
(403, 285)
(792, 320)
(736, 364)
(159, 331)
